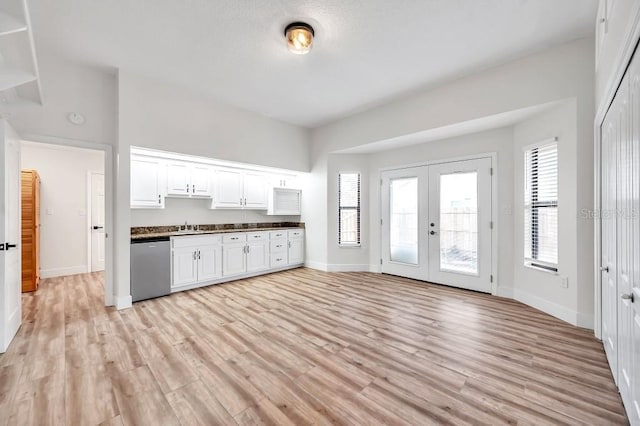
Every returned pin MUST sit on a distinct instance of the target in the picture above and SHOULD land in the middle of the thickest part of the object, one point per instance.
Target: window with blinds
(541, 207)
(349, 209)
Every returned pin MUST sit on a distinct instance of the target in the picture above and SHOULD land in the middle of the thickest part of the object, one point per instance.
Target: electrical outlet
(564, 282)
(49, 211)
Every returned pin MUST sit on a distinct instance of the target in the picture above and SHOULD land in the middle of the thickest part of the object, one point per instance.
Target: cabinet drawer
(275, 235)
(194, 241)
(257, 236)
(278, 260)
(278, 246)
(234, 238)
(296, 233)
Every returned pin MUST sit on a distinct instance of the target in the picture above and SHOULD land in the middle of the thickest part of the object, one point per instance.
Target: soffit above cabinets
(19, 78)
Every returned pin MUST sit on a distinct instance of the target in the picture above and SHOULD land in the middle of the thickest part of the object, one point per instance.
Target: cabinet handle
(159, 199)
(193, 189)
(289, 244)
(187, 188)
(279, 260)
(194, 255)
(240, 200)
(248, 249)
(198, 254)
(278, 245)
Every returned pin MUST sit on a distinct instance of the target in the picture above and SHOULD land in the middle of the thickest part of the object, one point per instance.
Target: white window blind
(541, 206)
(349, 208)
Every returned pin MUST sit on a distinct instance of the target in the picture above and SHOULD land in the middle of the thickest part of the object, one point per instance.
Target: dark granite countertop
(165, 232)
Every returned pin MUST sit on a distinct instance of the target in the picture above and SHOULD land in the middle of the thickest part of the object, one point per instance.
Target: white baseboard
(375, 268)
(124, 302)
(315, 265)
(339, 267)
(61, 272)
(553, 309)
(11, 328)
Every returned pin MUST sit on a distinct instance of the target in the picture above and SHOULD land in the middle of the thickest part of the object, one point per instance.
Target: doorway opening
(63, 218)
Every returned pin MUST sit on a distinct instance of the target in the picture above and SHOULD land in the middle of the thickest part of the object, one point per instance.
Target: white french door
(436, 223)
(10, 247)
(460, 224)
(404, 219)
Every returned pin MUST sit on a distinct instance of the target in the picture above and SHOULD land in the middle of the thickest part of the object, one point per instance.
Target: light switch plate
(564, 282)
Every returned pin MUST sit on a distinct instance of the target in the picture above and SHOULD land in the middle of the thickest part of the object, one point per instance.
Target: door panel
(228, 188)
(145, 182)
(97, 222)
(609, 263)
(209, 263)
(460, 224)
(404, 222)
(233, 259)
(201, 180)
(257, 256)
(255, 190)
(185, 269)
(10, 257)
(295, 251)
(178, 178)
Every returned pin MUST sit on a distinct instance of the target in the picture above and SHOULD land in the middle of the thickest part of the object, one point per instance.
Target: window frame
(533, 205)
(357, 208)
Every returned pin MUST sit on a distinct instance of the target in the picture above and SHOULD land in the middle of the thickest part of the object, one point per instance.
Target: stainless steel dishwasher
(150, 268)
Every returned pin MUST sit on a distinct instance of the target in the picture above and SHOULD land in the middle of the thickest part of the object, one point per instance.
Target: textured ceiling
(367, 52)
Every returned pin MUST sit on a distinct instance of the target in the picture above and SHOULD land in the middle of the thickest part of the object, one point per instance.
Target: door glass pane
(459, 222)
(403, 226)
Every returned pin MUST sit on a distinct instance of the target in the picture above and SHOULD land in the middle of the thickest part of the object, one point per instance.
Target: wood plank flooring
(300, 347)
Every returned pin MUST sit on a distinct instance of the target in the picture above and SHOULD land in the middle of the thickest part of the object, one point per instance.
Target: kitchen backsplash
(143, 230)
(195, 212)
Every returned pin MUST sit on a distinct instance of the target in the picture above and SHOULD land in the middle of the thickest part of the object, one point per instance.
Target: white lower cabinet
(204, 259)
(185, 267)
(195, 260)
(233, 259)
(295, 247)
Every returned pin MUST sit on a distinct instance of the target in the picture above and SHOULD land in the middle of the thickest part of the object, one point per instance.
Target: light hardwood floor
(300, 347)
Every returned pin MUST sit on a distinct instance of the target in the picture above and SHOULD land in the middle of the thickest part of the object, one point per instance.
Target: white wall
(498, 141)
(543, 289)
(179, 210)
(347, 258)
(63, 205)
(70, 87)
(165, 117)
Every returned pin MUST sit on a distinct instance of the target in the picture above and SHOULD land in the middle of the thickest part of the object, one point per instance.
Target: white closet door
(460, 228)
(608, 223)
(404, 222)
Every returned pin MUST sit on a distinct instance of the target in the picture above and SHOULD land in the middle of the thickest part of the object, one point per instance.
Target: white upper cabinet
(284, 181)
(228, 189)
(188, 179)
(255, 190)
(240, 189)
(146, 182)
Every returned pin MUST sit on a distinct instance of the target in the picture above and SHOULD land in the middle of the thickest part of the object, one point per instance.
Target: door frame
(109, 297)
(89, 211)
(622, 61)
(494, 205)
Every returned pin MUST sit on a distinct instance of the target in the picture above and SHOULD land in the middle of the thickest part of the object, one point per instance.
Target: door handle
(433, 232)
(604, 269)
(628, 297)
(98, 227)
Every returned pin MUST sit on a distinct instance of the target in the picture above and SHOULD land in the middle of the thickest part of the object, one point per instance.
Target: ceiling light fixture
(299, 37)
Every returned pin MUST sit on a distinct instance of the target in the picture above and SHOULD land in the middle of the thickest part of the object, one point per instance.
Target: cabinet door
(257, 256)
(209, 263)
(255, 190)
(228, 185)
(178, 179)
(296, 251)
(185, 269)
(146, 177)
(233, 259)
(200, 180)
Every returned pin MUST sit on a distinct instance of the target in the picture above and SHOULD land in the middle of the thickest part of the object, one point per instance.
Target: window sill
(349, 246)
(538, 268)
